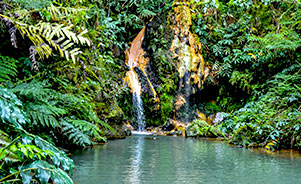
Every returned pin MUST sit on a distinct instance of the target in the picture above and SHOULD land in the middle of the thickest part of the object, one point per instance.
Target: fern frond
(34, 90)
(44, 114)
(61, 13)
(145, 12)
(7, 68)
(75, 134)
(43, 37)
(48, 36)
(6, 148)
(40, 103)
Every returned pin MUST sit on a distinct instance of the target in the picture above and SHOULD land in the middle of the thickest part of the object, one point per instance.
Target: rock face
(112, 113)
(170, 125)
(122, 132)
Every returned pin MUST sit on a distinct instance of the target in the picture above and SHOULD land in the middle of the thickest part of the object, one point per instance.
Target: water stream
(141, 159)
(138, 106)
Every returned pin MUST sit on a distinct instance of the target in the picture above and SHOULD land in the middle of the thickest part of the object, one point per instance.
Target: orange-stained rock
(201, 116)
(186, 47)
(134, 57)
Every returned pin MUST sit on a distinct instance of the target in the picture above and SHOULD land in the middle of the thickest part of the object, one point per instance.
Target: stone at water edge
(122, 130)
(170, 125)
(175, 133)
(219, 117)
(176, 128)
(129, 126)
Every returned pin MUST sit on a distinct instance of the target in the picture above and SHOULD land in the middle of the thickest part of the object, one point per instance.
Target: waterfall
(138, 106)
(137, 100)
(134, 58)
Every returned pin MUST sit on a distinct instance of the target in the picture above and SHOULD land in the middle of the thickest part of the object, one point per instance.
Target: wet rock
(180, 127)
(129, 126)
(170, 125)
(122, 132)
(252, 145)
(219, 117)
(210, 119)
(150, 129)
(200, 116)
(175, 133)
(115, 115)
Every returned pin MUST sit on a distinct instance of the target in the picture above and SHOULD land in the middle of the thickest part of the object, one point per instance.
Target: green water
(178, 160)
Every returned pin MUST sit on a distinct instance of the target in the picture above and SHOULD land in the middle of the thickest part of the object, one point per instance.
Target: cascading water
(137, 100)
(135, 59)
(138, 106)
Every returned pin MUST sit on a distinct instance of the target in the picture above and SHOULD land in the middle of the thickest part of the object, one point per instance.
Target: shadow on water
(142, 159)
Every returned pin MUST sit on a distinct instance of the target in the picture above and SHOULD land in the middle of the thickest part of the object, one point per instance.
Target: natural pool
(141, 159)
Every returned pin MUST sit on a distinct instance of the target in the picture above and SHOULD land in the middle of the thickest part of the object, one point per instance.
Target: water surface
(178, 160)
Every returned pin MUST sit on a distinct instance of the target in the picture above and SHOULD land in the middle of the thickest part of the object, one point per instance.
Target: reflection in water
(134, 170)
(178, 160)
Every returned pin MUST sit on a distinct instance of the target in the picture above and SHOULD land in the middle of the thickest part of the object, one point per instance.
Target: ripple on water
(178, 160)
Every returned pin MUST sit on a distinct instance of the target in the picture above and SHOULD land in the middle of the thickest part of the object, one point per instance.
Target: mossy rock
(122, 132)
(110, 112)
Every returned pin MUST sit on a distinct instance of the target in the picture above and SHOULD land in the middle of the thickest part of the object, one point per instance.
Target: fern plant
(275, 116)
(39, 104)
(73, 116)
(7, 68)
(46, 36)
(7, 148)
(26, 149)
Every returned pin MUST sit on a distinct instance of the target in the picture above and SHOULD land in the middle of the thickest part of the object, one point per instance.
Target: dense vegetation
(254, 49)
(62, 64)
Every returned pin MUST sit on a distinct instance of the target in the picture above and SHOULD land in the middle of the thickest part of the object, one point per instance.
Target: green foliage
(50, 110)
(44, 172)
(167, 102)
(27, 148)
(40, 104)
(7, 68)
(242, 79)
(241, 40)
(10, 107)
(275, 116)
(202, 129)
(7, 148)
(44, 36)
(80, 131)
(34, 4)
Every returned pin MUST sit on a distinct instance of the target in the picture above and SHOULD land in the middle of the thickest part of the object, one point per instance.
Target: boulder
(200, 116)
(122, 132)
(170, 125)
(210, 119)
(129, 126)
(111, 113)
(219, 117)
